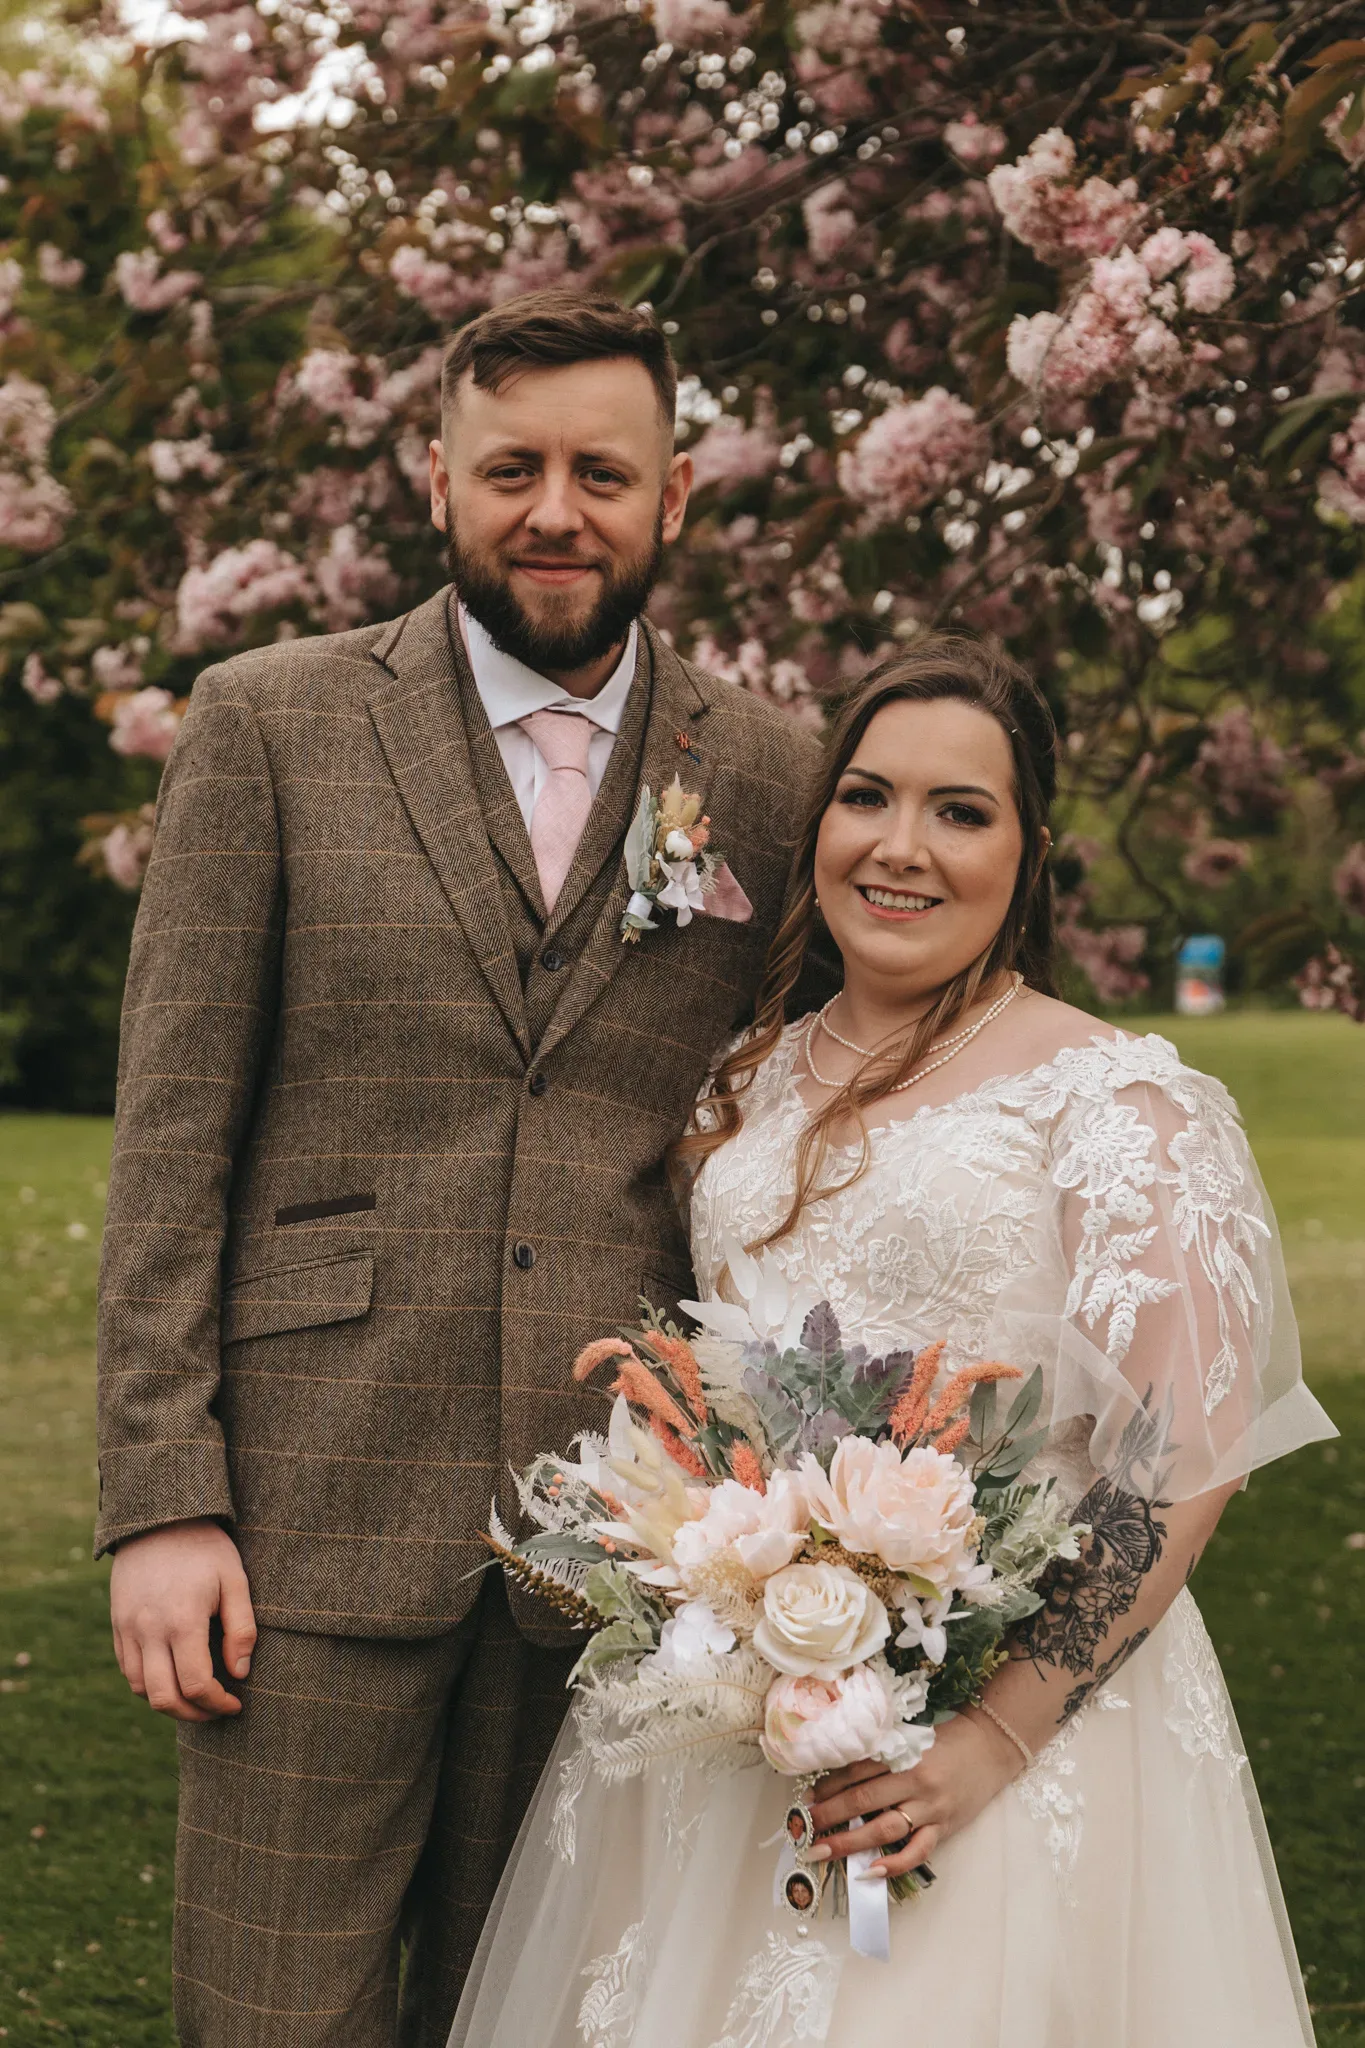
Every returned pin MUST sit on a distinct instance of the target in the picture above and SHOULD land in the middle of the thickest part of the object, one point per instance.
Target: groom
(394, 1100)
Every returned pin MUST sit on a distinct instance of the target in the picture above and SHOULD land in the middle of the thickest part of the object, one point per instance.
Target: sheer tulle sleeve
(1177, 1333)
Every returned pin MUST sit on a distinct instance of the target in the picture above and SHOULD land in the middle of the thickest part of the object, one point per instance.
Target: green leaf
(1026, 1403)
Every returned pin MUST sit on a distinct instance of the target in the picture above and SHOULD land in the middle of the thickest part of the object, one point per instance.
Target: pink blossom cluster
(752, 668)
(830, 221)
(355, 581)
(976, 144)
(614, 204)
(1212, 863)
(34, 92)
(126, 849)
(438, 287)
(696, 24)
(1341, 487)
(1118, 326)
(119, 666)
(215, 604)
(1349, 880)
(1107, 957)
(1048, 212)
(729, 453)
(325, 379)
(912, 453)
(172, 461)
(11, 284)
(34, 507)
(146, 723)
(1243, 772)
(1331, 982)
(145, 288)
(61, 273)
(37, 683)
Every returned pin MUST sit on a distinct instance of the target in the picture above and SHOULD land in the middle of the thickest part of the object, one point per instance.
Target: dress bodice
(1099, 1215)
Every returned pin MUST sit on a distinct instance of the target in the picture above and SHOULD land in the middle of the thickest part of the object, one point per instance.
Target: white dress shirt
(510, 691)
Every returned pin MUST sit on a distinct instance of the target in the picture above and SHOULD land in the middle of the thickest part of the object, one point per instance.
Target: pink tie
(562, 739)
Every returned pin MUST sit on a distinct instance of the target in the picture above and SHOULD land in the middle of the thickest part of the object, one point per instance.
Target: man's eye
(512, 473)
(603, 476)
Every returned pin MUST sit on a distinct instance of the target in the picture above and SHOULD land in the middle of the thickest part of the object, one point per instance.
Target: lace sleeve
(1178, 1335)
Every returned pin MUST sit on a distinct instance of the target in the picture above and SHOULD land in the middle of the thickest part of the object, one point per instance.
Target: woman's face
(917, 855)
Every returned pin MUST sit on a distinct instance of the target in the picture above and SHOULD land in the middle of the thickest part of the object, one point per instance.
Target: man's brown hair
(546, 330)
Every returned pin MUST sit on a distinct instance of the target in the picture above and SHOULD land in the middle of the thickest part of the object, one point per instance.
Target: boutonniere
(672, 865)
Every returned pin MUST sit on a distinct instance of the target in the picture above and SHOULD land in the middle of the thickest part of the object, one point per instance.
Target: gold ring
(907, 1818)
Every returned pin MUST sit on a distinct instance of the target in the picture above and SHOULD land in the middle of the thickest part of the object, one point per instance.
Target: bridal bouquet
(785, 1545)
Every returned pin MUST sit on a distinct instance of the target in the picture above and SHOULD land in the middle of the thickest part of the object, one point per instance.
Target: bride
(948, 1152)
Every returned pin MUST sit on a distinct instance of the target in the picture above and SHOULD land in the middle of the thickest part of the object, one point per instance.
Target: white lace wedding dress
(1100, 1216)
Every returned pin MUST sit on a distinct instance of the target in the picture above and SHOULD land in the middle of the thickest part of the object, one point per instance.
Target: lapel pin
(683, 742)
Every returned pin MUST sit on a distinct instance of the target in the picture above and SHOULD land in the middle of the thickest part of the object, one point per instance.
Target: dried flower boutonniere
(670, 862)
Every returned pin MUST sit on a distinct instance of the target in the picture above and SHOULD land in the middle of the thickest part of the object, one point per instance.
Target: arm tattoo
(1084, 1598)
(1079, 1694)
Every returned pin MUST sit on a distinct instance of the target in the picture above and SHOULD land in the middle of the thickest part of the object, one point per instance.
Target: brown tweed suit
(389, 1149)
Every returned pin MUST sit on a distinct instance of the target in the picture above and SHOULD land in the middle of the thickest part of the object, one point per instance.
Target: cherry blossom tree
(1042, 321)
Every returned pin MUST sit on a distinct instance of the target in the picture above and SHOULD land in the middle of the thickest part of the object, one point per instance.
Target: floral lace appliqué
(610, 2007)
(1047, 1794)
(785, 1995)
(1196, 1698)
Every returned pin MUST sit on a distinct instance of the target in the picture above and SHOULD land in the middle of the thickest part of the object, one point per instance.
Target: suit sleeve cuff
(147, 1486)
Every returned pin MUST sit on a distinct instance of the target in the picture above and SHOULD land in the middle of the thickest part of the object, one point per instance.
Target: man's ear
(677, 491)
(440, 485)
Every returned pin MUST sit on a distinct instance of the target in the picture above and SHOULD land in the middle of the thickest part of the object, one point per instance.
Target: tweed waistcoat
(592, 875)
(362, 1214)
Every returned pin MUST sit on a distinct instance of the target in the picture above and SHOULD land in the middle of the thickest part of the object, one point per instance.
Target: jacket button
(537, 1084)
(552, 961)
(523, 1255)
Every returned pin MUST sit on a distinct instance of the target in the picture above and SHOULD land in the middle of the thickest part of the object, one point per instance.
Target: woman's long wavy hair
(943, 665)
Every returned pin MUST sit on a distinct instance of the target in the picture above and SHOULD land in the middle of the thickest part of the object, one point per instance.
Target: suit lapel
(677, 705)
(417, 714)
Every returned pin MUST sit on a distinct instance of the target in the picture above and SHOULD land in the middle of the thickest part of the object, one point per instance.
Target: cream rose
(820, 1724)
(915, 1512)
(818, 1619)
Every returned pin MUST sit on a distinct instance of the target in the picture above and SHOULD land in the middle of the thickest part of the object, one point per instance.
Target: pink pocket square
(726, 899)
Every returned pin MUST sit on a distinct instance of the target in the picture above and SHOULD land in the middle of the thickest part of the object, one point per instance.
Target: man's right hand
(164, 1591)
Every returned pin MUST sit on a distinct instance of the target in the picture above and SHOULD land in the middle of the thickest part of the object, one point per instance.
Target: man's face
(557, 495)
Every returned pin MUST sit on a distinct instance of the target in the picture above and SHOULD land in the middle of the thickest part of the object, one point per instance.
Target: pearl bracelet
(1003, 1725)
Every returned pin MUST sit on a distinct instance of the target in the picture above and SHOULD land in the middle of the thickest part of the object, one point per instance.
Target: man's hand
(165, 1589)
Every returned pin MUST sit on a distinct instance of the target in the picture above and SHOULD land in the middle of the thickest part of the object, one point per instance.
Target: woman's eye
(862, 799)
(964, 814)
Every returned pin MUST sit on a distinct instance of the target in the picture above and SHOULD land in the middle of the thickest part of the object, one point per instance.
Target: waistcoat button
(523, 1255)
(552, 961)
(537, 1084)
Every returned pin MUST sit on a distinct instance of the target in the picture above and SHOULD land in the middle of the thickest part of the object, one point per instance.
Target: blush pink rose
(821, 1724)
(916, 1511)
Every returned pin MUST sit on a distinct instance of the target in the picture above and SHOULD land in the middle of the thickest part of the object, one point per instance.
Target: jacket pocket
(299, 1297)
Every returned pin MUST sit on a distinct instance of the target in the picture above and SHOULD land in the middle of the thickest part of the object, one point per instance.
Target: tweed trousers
(366, 1797)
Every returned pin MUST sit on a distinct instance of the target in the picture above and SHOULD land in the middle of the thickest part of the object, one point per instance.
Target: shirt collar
(511, 691)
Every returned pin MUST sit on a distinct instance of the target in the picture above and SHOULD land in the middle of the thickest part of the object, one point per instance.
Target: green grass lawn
(87, 1775)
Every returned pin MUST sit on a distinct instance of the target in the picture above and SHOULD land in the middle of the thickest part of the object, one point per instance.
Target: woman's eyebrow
(868, 776)
(964, 789)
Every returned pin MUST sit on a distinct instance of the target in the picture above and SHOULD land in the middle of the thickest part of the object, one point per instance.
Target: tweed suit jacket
(361, 1215)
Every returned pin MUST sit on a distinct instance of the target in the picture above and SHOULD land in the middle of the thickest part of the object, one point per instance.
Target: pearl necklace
(950, 1047)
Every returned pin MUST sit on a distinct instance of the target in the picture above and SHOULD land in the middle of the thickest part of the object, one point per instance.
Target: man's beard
(486, 593)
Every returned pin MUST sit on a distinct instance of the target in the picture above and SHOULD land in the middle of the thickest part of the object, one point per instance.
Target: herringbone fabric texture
(363, 1209)
(369, 1791)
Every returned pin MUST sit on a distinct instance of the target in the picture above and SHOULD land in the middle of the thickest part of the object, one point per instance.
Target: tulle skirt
(1120, 1894)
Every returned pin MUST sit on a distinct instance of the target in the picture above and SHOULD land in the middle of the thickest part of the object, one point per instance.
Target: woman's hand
(969, 1763)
